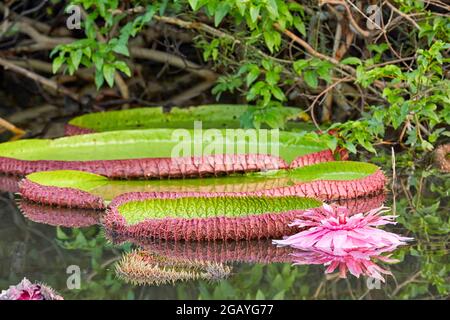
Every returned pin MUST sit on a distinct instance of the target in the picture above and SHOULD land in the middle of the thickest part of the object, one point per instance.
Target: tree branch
(7, 65)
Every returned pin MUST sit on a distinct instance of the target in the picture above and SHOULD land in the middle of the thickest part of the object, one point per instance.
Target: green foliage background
(400, 71)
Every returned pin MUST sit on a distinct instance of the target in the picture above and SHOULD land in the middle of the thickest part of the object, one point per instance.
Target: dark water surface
(43, 252)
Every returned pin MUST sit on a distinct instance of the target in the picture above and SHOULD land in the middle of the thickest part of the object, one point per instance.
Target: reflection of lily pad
(64, 217)
(9, 183)
(211, 116)
(254, 251)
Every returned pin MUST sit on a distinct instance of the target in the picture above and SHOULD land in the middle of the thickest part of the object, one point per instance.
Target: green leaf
(98, 60)
(310, 77)
(60, 234)
(221, 11)
(350, 147)
(76, 56)
(254, 13)
(121, 48)
(122, 66)
(87, 51)
(352, 61)
(272, 7)
(367, 145)
(299, 25)
(108, 72)
(57, 63)
(260, 295)
(324, 73)
(194, 4)
(99, 79)
(267, 64)
(103, 146)
(163, 6)
(426, 145)
(332, 143)
(272, 39)
(299, 65)
(242, 6)
(252, 76)
(278, 93)
(279, 296)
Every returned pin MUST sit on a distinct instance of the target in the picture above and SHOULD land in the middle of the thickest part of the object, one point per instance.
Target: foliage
(402, 101)
(98, 49)
(418, 102)
(426, 215)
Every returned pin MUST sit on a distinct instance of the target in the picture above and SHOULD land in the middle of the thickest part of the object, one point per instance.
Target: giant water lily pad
(156, 153)
(327, 181)
(211, 116)
(186, 217)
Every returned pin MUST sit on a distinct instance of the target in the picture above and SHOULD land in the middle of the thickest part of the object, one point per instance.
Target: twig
(381, 64)
(189, 94)
(9, 126)
(37, 8)
(379, 84)
(173, 60)
(352, 20)
(199, 26)
(7, 65)
(409, 280)
(44, 42)
(394, 8)
(311, 107)
(29, 30)
(394, 178)
(311, 50)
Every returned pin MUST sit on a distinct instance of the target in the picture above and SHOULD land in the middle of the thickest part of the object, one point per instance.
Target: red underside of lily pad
(71, 130)
(165, 167)
(331, 190)
(250, 227)
(261, 226)
(359, 205)
(204, 229)
(60, 197)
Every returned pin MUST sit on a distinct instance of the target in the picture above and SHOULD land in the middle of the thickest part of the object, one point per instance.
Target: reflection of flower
(26, 290)
(332, 229)
(358, 262)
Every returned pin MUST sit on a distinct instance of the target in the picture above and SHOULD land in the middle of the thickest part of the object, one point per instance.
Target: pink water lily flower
(358, 262)
(332, 229)
(26, 290)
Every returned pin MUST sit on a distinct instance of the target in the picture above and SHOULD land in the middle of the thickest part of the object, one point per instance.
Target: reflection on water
(44, 242)
(168, 262)
(358, 262)
(140, 267)
(64, 217)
